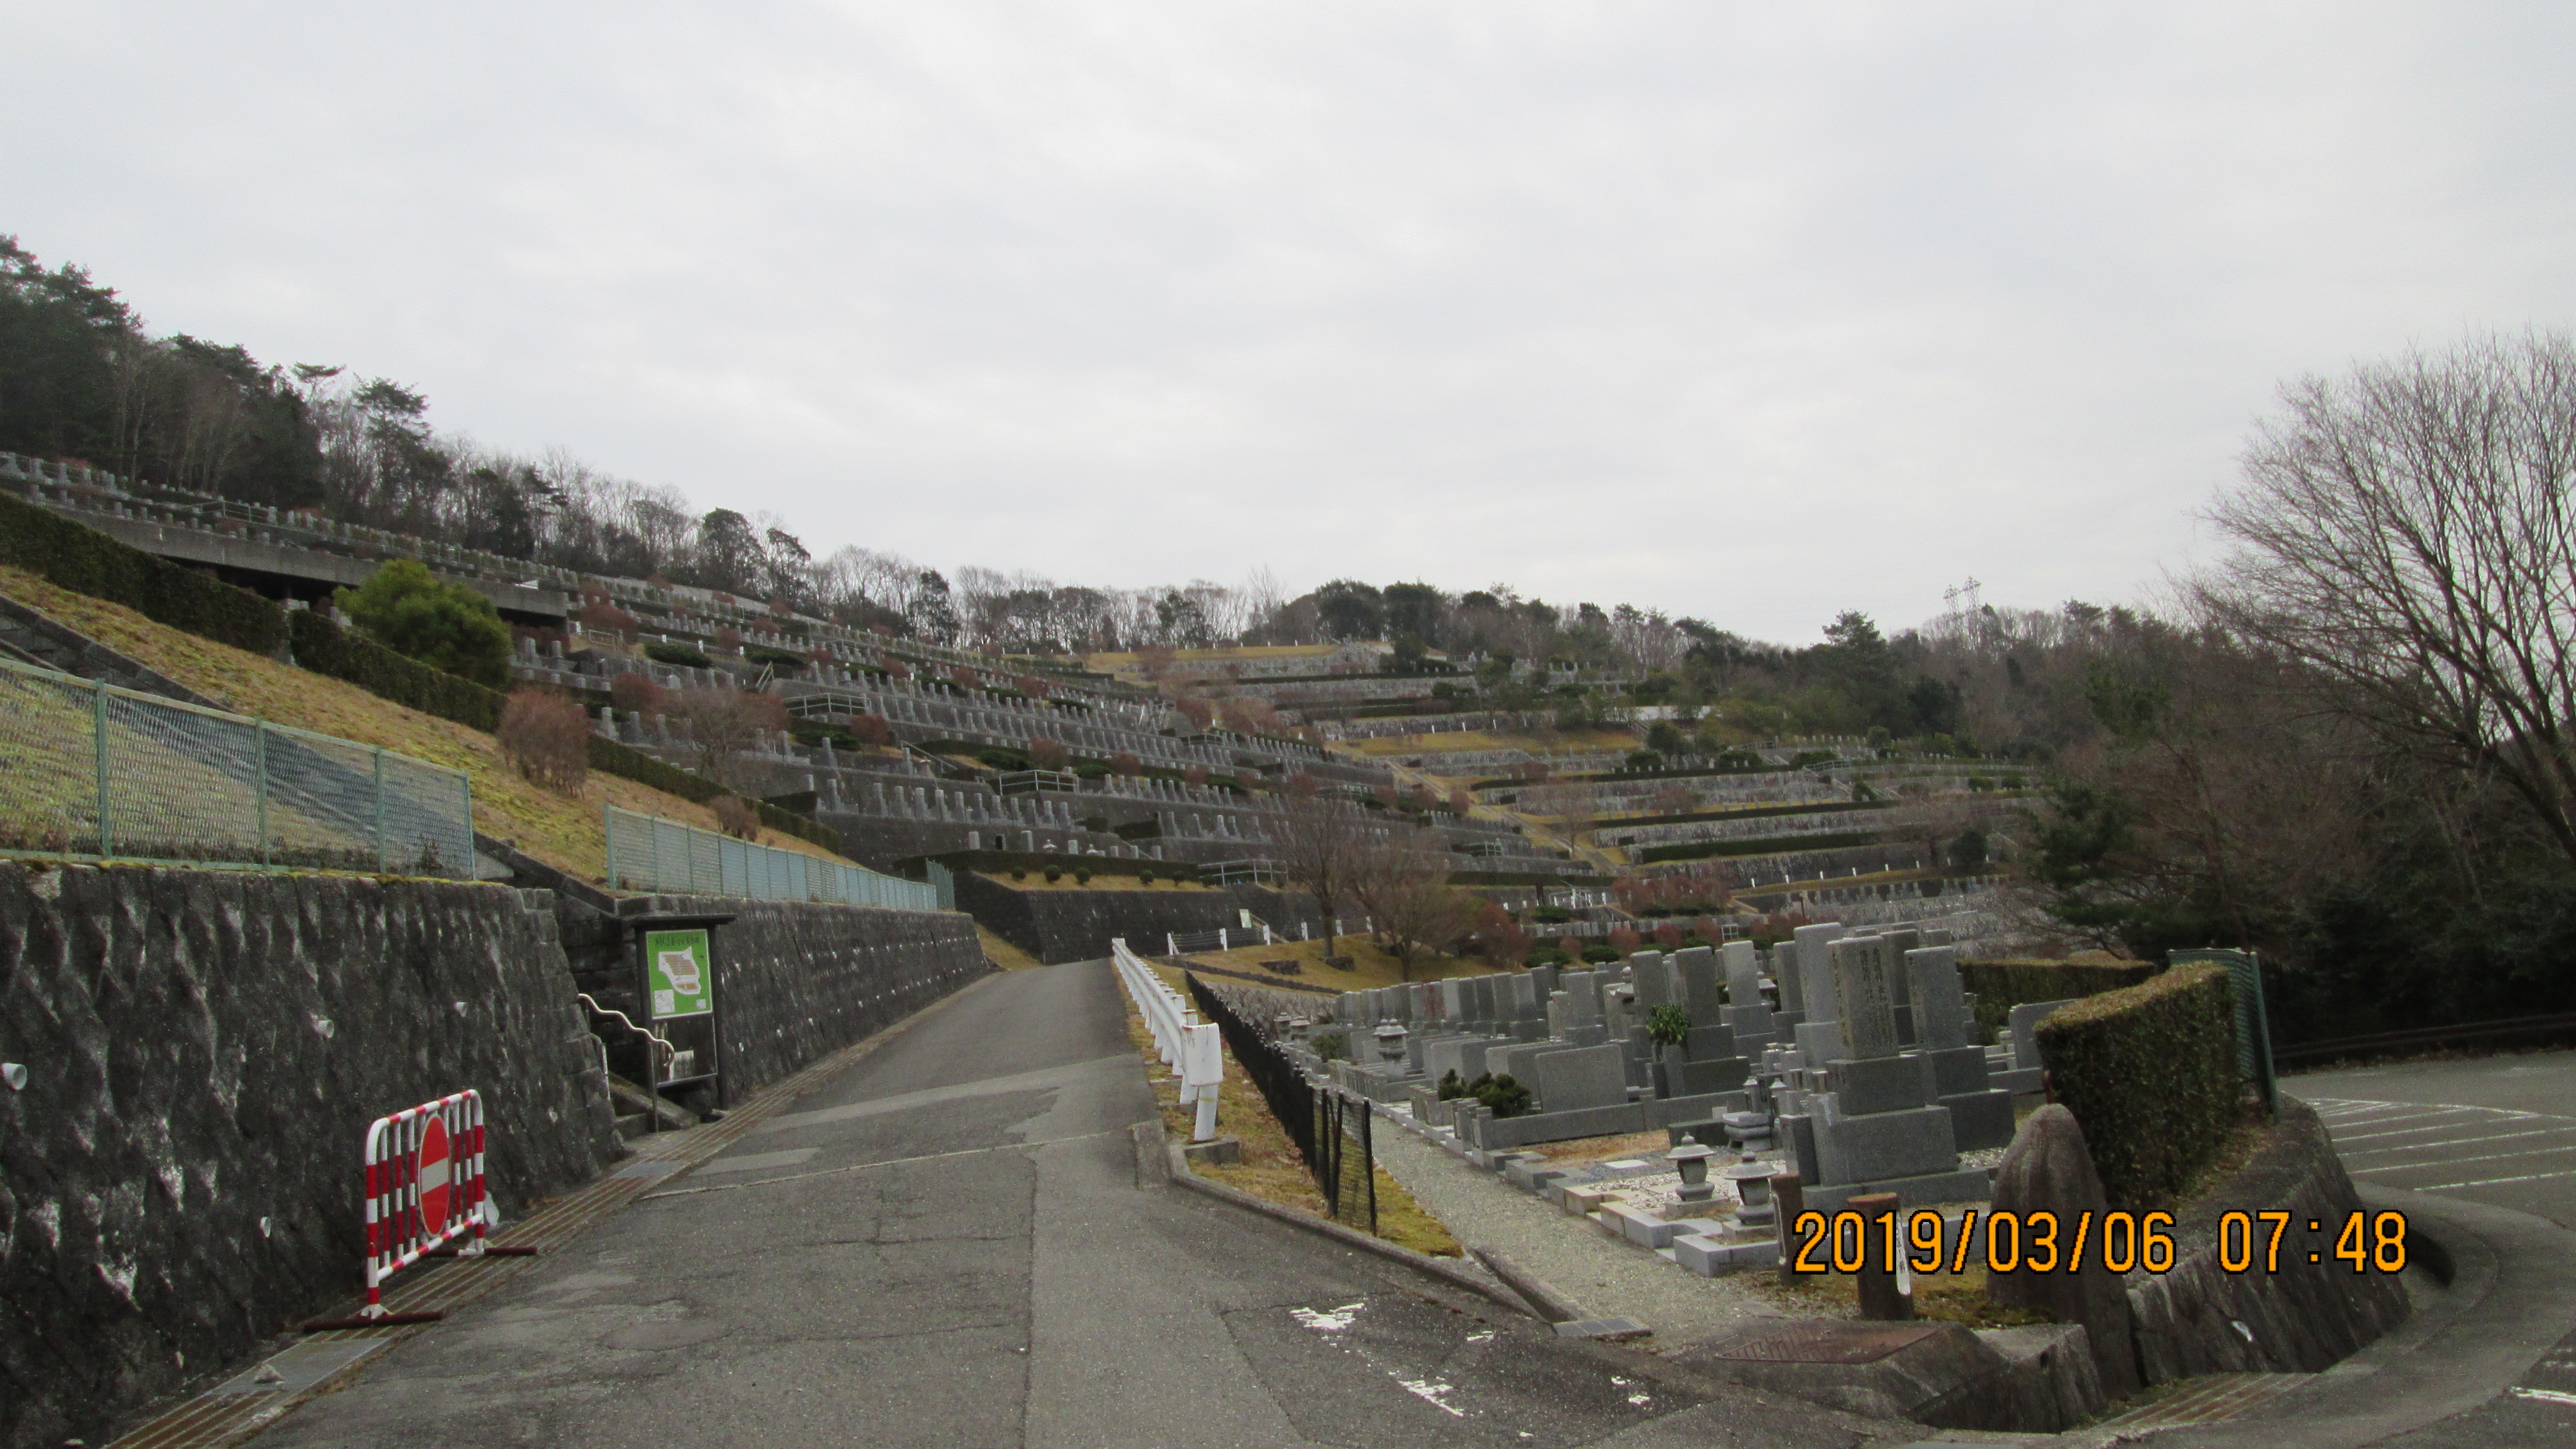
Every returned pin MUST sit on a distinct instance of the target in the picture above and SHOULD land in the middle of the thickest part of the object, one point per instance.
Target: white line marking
(756, 1161)
(2491, 1181)
(2456, 1161)
(2465, 1141)
(2546, 1396)
(2413, 1117)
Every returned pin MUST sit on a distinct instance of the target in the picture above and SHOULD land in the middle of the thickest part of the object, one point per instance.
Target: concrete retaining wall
(1062, 925)
(180, 1177)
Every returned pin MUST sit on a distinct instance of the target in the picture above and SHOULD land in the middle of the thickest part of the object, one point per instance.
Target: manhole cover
(1829, 1343)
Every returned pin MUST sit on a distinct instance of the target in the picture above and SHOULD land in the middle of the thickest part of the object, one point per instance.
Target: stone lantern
(1691, 1161)
(1752, 1180)
(1390, 1041)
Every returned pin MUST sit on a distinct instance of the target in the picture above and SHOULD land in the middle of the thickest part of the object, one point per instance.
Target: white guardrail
(1189, 1047)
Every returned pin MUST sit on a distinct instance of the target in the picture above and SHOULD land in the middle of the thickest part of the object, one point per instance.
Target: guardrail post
(608, 832)
(98, 751)
(382, 861)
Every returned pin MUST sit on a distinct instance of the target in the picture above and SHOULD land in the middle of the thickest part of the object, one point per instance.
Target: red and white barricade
(425, 1190)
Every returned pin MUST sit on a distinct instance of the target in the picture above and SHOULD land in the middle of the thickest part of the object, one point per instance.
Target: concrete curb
(2512, 1297)
(1551, 1304)
(1151, 1141)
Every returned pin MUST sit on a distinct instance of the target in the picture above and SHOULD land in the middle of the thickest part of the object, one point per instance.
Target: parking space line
(2456, 1161)
(2494, 1181)
(2466, 1141)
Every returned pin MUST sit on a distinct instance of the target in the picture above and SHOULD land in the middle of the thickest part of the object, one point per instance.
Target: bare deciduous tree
(1318, 833)
(723, 723)
(2407, 532)
(1402, 878)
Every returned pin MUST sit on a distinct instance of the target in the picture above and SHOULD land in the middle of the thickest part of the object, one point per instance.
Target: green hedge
(2150, 1072)
(1999, 986)
(86, 561)
(326, 648)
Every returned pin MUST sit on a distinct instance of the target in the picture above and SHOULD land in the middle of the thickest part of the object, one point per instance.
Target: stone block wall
(205, 1049)
(794, 980)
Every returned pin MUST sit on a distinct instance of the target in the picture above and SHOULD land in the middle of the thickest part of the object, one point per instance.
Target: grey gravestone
(1864, 1005)
(1940, 1001)
(1783, 964)
(1702, 986)
(1595, 1076)
(1653, 978)
(2025, 1031)
(1881, 1084)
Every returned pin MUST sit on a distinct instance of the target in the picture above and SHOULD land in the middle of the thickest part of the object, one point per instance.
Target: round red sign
(433, 1175)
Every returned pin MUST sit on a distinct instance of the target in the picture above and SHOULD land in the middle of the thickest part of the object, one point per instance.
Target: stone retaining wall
(2302, 1319)
(794, 980)
(180, 1177)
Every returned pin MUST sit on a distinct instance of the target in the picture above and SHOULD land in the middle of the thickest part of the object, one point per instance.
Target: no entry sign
(433, 1175)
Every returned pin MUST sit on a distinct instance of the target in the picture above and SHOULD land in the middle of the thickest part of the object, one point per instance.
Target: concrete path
(946, 1246)
(1606, 1277)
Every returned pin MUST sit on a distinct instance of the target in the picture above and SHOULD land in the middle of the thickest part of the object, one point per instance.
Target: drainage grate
(2209, 1399)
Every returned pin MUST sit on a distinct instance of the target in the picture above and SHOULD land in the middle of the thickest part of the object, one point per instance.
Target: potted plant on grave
(1668, 1027)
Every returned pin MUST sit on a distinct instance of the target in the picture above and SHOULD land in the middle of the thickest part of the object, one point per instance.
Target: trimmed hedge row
(1999, 986)
(326, 648)
(87, 561)
(2150, 1072)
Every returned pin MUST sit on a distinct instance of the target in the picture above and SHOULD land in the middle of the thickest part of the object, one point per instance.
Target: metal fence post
(98, 750)
(383, 859)
(465, 783)
(608, 832)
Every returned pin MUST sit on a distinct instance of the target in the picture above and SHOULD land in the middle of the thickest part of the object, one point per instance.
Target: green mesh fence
(648, 853)
(100, 772)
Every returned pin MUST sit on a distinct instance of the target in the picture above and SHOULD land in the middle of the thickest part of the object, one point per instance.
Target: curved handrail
(628, 1023)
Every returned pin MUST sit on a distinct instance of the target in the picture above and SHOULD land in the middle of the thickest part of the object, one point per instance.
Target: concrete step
(631, 1126)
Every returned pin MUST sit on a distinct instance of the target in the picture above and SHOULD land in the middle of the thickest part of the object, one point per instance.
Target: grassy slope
(561, 831)
(1272, 1169)
(1372, 967)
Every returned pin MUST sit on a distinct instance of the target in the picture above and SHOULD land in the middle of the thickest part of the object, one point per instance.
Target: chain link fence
(1332, 1129)
(101, 772)
(649, 853)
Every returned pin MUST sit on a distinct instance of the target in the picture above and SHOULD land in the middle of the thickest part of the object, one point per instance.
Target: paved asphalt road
(2495, 1130)
(945, 1246)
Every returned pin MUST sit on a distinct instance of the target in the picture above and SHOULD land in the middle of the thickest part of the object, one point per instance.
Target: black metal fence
(1331, 1127)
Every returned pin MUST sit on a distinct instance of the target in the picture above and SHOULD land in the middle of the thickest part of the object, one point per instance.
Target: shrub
(894, 667)
(1645, 760)
(86, 561)
(635, 694)
(1450, 1087)
(1196, 710)
(869, 730)
(2150, 1073)
(443, 624)
(680, 654)
(1019, 874)
(1668, 936)
(1082, 875)
(1054, 873)
(327, 649)
(546, 737)
(1144, 875)
(1046, 754)
(736, 817)
(785, 661)
(1665, 738)
(1195, 775)
(998, 758)
(599, 616)
(1999, 986)
(1625, 940)
(1501, 1095)
(1126, 765)
(1332, 1046)
(1598, 955)
(1668, 1026)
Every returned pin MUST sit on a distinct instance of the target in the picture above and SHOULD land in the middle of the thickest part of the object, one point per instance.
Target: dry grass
(1651, 1145)
(1002, 953)
(563, 831)
(1371, 966)
(1272, 1169)
(1938, 1298)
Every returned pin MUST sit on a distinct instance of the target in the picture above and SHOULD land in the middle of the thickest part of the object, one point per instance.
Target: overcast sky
(1753, 312)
